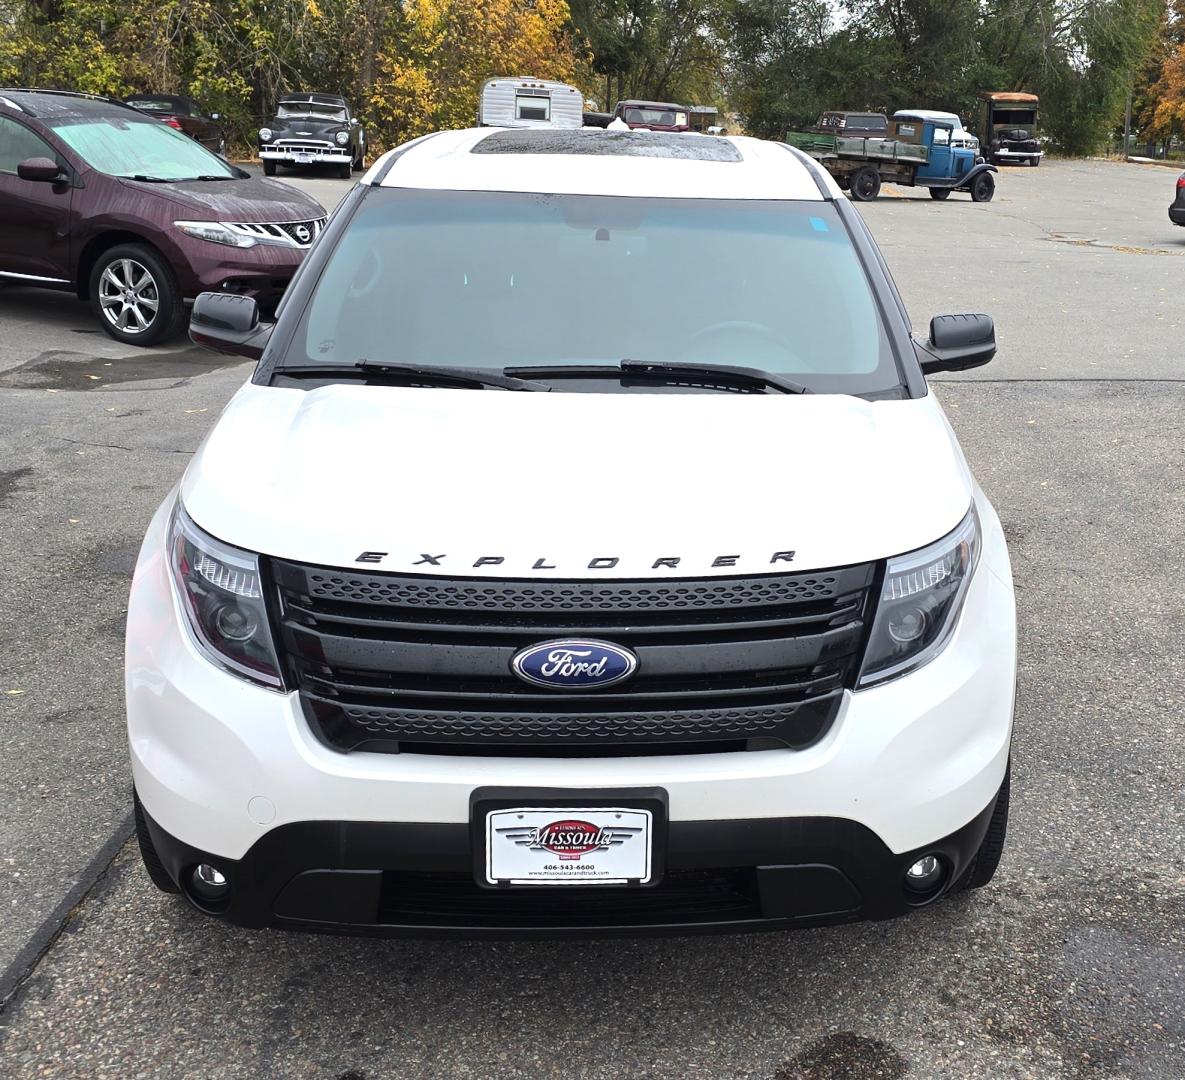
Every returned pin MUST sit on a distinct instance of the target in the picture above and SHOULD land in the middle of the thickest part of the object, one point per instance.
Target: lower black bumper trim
(417, 880)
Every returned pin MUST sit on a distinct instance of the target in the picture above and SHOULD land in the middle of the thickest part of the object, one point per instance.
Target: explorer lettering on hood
(597, 562)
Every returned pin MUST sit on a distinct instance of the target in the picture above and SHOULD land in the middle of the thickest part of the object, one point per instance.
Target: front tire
(359, 162)
(939, 193)
(269, 168)
(983, 187)
(344, 172)
(865, 184)
(135, 295)
(1034, 161)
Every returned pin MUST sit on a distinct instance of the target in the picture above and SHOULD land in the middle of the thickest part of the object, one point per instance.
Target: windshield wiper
(149, 179)
(724, 374)
(471, 378)
(209, 178)
(461, 376)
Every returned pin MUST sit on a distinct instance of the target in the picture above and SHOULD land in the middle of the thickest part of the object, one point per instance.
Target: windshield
(135, 146)
(494, 280)
(290, 110)
(657, 117)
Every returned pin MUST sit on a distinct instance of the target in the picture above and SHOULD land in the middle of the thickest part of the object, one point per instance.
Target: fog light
(209, 883)
(924, 874)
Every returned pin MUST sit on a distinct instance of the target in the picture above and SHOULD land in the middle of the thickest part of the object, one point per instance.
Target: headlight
(265, 134)
(222, 595)
(920, 601)
(342, 138)
(215, 232)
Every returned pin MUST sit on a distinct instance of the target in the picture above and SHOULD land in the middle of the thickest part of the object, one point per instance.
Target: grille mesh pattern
(707, 723)
(583, 596)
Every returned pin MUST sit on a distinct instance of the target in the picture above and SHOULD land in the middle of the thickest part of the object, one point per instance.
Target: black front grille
(682, 898)
(402, 662)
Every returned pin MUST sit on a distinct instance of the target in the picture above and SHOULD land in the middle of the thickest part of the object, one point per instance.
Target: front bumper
(1024, 155)
(262, 271)
(231, 772)
(417, 880)
(328, 155)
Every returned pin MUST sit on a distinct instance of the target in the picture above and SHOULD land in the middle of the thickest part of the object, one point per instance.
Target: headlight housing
(342, 138)
(222, 597)
(920, 601)
(216, 233)
(265, 134)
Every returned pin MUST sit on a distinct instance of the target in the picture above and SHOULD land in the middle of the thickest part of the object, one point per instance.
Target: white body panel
(751, 489)
(913, 759)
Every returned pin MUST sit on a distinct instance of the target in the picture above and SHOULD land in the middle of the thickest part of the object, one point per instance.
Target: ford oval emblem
(574, 664)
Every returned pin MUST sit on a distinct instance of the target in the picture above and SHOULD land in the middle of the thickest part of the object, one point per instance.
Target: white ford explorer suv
(585, 554)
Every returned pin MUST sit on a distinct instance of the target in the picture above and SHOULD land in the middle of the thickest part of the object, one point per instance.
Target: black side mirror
(957, 342)
(39, 168)
(228, 323)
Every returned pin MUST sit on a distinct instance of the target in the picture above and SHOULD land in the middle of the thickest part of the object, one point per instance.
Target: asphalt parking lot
(1072, 964)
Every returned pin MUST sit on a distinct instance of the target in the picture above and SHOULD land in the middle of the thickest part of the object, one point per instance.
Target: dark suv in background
(133, 215)
(184, 114)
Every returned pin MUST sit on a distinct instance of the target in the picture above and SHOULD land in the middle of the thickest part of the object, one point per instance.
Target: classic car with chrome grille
(313, 129)
(101, 200)
(476, 615)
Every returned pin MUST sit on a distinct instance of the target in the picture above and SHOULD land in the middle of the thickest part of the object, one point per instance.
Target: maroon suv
(99, 199)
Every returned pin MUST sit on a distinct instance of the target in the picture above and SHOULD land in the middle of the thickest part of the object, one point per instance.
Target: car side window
(18, 143)
(941, 136)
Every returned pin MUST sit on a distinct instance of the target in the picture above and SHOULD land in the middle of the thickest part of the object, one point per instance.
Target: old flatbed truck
(912, 153)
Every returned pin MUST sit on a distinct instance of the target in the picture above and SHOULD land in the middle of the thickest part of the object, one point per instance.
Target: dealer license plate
(304, 159)
(605, 845)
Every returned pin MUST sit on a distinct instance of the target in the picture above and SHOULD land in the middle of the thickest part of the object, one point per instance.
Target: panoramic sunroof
(599, 142)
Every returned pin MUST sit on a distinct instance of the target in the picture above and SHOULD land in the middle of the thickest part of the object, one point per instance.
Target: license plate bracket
(607, 837)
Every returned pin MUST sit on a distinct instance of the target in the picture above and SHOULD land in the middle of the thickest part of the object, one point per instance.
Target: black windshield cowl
(411, 374)
(662, 371)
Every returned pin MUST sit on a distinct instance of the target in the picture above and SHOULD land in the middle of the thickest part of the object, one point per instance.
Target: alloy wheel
(128, 296)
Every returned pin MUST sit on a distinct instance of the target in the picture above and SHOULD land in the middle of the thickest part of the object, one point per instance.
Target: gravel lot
(1071, 965)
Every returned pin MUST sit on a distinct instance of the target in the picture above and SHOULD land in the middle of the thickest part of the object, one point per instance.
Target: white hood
(547, 483)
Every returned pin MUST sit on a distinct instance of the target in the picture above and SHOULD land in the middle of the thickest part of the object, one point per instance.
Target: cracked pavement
(1072, 964)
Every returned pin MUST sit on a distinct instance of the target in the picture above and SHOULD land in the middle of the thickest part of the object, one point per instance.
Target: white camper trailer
(528, 103)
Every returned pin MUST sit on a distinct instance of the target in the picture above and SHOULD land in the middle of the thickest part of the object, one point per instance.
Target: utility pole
(1127, 126)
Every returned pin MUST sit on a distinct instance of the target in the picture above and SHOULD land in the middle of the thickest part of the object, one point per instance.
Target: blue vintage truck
(913, 153)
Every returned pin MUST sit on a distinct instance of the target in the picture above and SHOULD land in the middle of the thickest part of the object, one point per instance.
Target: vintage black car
(313, 129)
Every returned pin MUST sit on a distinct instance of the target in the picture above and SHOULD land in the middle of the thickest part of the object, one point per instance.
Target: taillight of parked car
(1181, 181)
(173, 122)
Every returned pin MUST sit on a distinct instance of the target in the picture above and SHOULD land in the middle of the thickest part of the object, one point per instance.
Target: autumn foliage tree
(1159, 107)
(430, 75)
(409, 67)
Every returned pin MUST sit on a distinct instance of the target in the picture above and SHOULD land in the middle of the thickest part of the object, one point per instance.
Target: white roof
(930, 114)
(444, 161)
